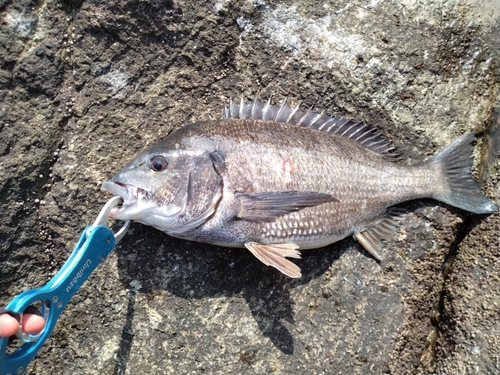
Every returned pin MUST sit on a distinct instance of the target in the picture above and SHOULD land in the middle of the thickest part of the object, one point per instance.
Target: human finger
(32, 323)
(8, 325)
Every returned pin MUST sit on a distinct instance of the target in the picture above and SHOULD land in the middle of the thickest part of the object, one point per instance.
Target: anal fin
(382, 229)
(274, 256)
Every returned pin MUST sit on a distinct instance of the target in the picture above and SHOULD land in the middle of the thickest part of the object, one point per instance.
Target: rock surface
(85, 85)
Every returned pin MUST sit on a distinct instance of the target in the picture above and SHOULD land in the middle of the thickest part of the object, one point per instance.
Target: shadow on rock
(149, 260)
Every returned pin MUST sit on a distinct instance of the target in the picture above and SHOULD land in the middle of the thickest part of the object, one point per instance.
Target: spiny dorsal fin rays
(316, 119)
(254, 104)
(266, 108)
(350, 125)
(367, 136)
(242, 107)
(293, 112)
(357, 129)
(326, 124)
(231, 106)
(359, 132)
(282, 109)
(299, 123)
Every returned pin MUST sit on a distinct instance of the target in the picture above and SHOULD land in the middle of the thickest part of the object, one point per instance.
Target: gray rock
(85, 85)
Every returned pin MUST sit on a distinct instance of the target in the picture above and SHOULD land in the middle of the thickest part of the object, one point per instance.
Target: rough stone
(85, 85)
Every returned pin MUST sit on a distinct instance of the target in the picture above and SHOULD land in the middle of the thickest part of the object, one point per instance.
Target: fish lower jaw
(122, 213)
(132, 208)
(149, 213)
(116, 212)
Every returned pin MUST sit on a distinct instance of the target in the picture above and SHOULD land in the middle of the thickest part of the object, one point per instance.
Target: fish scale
(275, 179)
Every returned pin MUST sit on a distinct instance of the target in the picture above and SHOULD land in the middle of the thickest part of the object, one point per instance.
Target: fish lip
(115, 188)
(131, 196)
(136, 205)
(128, 193)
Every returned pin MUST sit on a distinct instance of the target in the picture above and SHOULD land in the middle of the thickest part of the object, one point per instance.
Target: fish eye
(158, 163)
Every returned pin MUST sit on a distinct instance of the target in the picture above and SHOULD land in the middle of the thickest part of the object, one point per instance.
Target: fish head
(172, 186)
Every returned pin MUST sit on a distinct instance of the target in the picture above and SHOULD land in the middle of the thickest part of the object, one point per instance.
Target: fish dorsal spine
(363, 134)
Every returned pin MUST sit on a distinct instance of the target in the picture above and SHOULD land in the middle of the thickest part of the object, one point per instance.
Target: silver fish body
(274, 187)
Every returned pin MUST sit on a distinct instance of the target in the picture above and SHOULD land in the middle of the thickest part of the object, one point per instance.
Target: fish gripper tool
(94, 245)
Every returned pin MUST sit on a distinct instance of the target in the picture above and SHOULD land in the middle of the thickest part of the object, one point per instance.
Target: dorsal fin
(365, 135)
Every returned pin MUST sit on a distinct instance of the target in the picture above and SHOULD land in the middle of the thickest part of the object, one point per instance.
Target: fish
(276, 179)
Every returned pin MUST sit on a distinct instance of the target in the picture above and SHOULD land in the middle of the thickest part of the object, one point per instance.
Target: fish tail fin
(463, 192)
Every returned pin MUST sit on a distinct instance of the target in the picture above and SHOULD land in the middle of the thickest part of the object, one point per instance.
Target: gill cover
(200, 193)
(172, 186)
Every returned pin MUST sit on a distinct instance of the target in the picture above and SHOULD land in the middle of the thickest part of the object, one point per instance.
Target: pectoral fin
(270, 205)
(371, 239)
(274, 256)
(218, 160)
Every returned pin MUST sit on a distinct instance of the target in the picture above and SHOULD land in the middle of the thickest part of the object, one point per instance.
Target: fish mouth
(132, 197)
(170, 217)
(138, 206)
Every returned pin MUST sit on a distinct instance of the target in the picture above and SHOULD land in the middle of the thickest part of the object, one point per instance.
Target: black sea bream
(275, 179)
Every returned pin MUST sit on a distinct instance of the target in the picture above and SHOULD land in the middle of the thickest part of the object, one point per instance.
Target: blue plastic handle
(94, 245)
